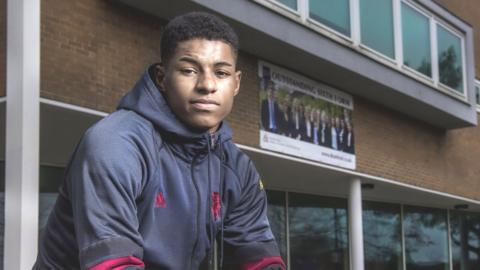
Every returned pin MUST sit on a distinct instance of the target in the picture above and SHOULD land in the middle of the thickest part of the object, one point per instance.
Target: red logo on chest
(216, 205)
(160, 200)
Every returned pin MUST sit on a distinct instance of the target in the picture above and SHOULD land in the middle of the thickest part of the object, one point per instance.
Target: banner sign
(304, 118)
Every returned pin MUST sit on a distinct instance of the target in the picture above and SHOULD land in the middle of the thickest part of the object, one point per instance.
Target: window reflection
(477, 94)
(416, 40)
(465, 233)
(276, 216)
(426, 244)
(332, 13)
(318, 232)
(377, 25)
(50, 181)
(289, 3)
(382, 236)
(450, 59)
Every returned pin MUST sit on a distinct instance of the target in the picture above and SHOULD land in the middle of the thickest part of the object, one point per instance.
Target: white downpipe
(355, 225)
(22, 134)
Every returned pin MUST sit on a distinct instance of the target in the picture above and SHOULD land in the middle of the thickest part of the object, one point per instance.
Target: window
(477, 92)
(382, 236)
(318, 232)
(450, 59)
(276, 216)
(426, 239)
(416, 40)
(376, 21)
(412, 39)
(332, 13)
(465, 233)
(289, 3)
(50, 180)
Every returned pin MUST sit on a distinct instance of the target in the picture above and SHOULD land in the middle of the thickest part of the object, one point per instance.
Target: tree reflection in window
(450, 59)
(276, 216)
(382, 236)
(318, 232)
(426, 244)
(465, 233)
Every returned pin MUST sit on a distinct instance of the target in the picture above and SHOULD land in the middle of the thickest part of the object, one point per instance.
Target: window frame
(453, 31)
(325, 29)
(426, 14)
(372, 50)
(301, 15)
(283, 9)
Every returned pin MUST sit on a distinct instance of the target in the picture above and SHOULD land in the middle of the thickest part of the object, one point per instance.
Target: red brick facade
(93, 51)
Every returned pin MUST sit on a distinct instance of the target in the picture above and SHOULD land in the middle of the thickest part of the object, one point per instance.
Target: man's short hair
(196, 25)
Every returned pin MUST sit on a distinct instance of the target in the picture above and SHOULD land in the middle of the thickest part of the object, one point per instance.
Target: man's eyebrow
(188, 59)
(223, 63)
(194, 61)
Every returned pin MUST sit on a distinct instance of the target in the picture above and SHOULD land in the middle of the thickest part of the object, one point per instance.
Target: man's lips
(204, 104)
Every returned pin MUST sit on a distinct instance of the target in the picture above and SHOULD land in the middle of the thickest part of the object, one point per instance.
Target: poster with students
(304, 118)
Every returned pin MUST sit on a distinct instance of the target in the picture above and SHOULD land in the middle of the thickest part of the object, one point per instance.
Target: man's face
(200, 81)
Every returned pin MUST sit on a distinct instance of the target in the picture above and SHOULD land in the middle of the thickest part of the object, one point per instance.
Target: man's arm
(103, 182)
(249, 242)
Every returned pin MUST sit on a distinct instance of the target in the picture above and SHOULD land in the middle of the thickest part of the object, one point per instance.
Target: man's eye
(222, 74)
(188, 71)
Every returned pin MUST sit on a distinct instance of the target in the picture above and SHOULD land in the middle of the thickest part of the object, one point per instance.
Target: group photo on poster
(304, 118)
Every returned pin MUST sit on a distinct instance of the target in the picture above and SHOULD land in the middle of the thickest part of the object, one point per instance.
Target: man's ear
(238, 78)
(160, 76)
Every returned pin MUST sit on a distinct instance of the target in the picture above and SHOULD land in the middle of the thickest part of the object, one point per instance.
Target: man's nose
(207, 83)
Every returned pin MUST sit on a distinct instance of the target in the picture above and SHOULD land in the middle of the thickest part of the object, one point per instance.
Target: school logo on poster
(304, 118)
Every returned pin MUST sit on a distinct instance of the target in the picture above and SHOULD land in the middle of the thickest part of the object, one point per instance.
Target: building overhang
(281, 172)
(62, 126)
(279, 40)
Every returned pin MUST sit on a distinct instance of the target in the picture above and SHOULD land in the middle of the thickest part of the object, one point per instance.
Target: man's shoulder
(237, 160)
(118, 130)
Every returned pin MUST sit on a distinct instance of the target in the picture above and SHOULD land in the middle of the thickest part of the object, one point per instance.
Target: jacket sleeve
(103, 181)
(248, 241)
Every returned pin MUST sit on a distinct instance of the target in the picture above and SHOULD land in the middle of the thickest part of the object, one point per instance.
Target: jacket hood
(146, 99)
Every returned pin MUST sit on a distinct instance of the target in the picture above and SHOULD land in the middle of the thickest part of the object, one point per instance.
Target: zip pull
(212, 140)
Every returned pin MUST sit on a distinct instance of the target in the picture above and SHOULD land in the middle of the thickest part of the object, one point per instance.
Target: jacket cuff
(109, 249)
(268, 263)
(128, 262)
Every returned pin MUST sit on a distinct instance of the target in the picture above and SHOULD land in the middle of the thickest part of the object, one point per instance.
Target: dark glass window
(450, 64)
(2, 209)
(332, 13)
(50, 180)
(477, 94)
(426, 239)
(276, 216)
(416, 40)
(376, 22)
(465, 235)
(318, 232)
(289, 3)
(382, 236)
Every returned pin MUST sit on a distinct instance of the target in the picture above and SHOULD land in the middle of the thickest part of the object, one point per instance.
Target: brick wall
(93, 51)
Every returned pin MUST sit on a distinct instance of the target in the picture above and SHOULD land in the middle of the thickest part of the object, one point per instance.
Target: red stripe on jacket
(118, 263)
(264, 262)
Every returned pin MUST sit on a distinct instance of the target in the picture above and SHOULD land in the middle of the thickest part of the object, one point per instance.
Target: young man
(153, 185)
